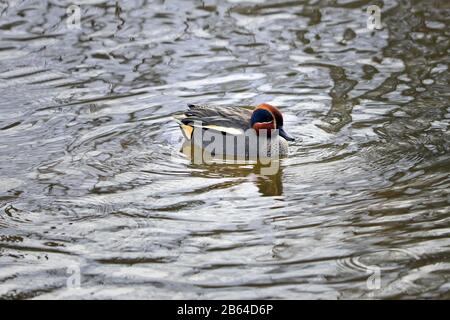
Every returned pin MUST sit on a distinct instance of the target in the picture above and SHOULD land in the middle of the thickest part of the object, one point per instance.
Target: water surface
(92, 177)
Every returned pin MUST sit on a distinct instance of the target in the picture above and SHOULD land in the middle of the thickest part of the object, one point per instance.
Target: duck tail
(186, 129)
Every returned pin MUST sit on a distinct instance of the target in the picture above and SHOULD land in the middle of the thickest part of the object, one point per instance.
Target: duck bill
(285, 135)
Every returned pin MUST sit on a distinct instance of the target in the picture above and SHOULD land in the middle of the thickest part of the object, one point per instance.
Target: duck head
(268, 117)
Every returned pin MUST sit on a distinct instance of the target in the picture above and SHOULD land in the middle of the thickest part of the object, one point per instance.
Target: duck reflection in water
(268, 184)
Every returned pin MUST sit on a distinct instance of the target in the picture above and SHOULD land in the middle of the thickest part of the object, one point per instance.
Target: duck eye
(261, 115)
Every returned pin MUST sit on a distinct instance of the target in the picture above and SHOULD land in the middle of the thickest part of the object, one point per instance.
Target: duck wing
(233, 120)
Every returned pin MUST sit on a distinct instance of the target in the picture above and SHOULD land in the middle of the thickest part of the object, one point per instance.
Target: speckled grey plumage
(233, 117)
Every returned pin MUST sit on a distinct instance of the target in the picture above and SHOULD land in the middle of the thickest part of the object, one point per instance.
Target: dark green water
(91, 177)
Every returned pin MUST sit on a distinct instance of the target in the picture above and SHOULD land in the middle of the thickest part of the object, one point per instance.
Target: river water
(98, 202)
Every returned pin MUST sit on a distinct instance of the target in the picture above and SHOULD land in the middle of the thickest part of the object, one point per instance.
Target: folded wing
(232, 120)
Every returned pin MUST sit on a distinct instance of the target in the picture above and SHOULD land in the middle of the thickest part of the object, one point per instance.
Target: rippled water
(92, 177)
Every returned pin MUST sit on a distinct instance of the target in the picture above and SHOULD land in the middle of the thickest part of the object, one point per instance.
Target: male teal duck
(235, 122)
